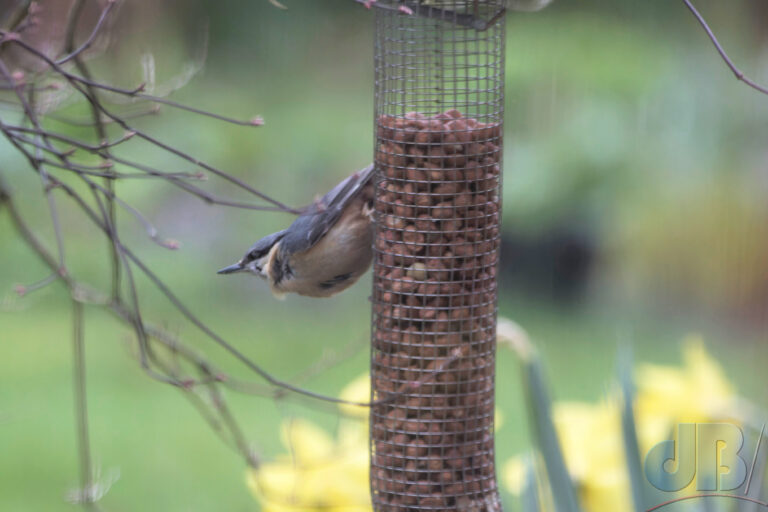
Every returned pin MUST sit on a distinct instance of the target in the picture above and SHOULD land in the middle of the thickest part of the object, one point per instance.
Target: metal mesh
(439, 100)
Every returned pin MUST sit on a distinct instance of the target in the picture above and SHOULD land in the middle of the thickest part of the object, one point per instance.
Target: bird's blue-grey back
(310, 227)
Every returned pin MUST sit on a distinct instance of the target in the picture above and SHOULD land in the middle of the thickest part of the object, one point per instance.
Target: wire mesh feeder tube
(439, 99)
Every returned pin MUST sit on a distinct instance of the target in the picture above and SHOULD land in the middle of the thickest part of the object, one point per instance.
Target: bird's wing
(310, 227)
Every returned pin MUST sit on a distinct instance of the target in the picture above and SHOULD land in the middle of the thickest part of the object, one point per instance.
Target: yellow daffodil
(513, 474)
(591, 435)
(666, 395)
(319, 472)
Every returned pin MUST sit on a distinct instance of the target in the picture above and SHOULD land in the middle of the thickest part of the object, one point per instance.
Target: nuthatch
(325, 250)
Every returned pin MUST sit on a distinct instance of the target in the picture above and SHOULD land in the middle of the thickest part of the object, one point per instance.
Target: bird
(325, 250)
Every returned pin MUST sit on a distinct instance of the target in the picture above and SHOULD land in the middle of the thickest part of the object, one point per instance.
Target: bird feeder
(439, 91)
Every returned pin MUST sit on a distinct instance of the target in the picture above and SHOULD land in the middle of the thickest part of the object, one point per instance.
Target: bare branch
(69, 140)
(151, 230)
(28, 236)
(221, 406)
(96, 104)
(88, 42)
(101, 132)
(196, 191)
(24, 290)
(136, 92)
(52, 210)
(736, 71)
(45, 178)
(150, 111)
(81, 402)
(18, 16)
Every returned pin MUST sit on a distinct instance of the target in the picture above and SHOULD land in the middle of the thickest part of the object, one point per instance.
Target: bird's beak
(237, 267)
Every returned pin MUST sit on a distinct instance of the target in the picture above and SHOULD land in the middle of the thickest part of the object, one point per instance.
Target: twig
(157, 142)
(45, 178)
(28, 236)
(736, 71)
(150, 229)
(98, 105)
(25, 290)
(136, 92)
(105, 224)
(52, 210)
(145, 350)
(278, 205)
(221, 405)
(91, 170)
(150, 111)
(196, 191)
(71, 141)
(101, 132)
(88, 42)
(81, 402)
(18, 15)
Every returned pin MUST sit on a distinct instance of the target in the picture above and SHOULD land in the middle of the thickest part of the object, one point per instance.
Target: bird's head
(256, 260)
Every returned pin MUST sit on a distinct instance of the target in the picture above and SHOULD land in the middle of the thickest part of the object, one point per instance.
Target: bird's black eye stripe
(253, 255)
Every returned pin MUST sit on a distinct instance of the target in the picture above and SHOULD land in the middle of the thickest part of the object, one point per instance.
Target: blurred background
(635, 185)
